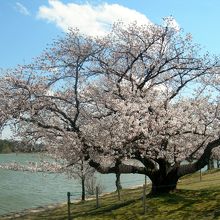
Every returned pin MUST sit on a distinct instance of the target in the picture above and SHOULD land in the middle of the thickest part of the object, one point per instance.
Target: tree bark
(201, 162)
(118, 182)
(165, 179)
(163, 184)
(118, 185)
(83, 196)
(122, 168)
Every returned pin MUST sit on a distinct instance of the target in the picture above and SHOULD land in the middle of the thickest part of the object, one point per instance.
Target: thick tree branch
(201, 162)
(121, 168)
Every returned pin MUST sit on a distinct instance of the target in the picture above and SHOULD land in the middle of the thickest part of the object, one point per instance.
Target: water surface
(22, 190)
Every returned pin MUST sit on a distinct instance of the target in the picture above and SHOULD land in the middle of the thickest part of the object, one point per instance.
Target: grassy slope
(193, 200)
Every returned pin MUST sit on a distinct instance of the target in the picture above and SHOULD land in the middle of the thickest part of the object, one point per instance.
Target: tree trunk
(164, 186)
(164, 183)
(118, 185)
(118, 182)
(83, 196)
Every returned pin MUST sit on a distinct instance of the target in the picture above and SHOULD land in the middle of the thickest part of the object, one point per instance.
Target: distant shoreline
(13, 146)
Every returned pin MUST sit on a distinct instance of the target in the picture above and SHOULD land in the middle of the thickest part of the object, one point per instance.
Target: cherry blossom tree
(83, 173)
(141, 93)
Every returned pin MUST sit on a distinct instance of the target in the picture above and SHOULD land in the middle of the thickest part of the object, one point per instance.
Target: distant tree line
(10, 146)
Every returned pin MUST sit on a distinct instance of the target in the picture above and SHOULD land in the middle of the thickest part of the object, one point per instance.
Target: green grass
(194, 199)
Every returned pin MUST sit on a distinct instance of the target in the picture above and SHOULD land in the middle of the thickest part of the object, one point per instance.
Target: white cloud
(88, 18)
(22, 9)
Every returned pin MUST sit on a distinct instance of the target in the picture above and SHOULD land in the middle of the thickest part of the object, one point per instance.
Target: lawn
(194, 199)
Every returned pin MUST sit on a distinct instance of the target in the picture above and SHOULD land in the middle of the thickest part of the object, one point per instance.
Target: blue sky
(27, 26)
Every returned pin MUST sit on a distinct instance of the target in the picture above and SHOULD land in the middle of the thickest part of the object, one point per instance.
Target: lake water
(23, 190)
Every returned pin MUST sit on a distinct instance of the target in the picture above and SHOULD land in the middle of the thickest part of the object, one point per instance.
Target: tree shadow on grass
(183, 204)
(189, 204)
(105, 209)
